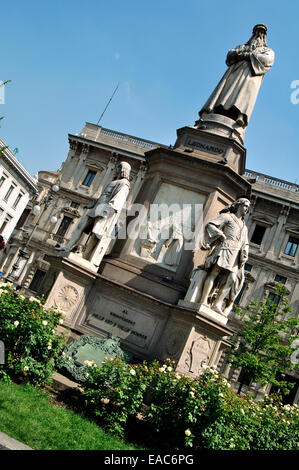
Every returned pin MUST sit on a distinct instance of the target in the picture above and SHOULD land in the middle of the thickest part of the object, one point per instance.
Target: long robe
(107, 208)
(240, 84)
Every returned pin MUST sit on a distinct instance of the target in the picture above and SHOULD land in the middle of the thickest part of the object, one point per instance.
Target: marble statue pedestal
(205, 311)
(83, 262)
(148, 328)
(221, 125)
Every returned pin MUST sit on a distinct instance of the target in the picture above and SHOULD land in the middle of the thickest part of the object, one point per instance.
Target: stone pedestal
(78, 259)
(204, 311)
(147, 327)
(221, 125)
(194, 340)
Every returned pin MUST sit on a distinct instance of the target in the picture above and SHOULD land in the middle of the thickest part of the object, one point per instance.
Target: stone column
(67, 169)
(281, 222)
(137, 184)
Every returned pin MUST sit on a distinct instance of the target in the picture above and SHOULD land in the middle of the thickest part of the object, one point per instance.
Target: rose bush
(202, 413)
(114, 391)
(27, 330)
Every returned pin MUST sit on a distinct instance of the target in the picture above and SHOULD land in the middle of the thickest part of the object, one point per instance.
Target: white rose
(132, 372)
(16, 323)
(44, 322)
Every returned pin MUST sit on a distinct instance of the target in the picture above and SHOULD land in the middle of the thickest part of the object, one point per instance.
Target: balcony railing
(98, 133)
(282, 184)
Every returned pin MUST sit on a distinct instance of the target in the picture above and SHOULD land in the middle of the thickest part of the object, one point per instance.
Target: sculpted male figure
(102, 215)
(236, 93)
(226, 237)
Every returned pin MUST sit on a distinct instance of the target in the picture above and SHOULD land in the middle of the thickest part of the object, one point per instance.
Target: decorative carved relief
(198, 354)
(66, 297)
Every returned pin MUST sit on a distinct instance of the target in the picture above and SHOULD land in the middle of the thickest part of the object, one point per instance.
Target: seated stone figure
(102, 215)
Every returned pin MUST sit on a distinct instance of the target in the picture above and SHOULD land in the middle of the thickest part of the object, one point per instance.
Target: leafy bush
(202, 413)
(27, 330)
(114, 392)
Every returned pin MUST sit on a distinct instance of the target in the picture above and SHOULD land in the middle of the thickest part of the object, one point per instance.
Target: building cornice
(11, 160)
(265, 262)
(107, 147)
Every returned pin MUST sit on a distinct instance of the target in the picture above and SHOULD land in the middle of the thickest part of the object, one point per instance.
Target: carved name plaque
(132, 326)
(206, 147)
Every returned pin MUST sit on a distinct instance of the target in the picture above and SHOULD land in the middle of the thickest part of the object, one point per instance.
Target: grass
(27, 415)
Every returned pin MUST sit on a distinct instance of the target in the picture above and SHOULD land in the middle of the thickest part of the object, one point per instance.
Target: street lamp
(37, 210)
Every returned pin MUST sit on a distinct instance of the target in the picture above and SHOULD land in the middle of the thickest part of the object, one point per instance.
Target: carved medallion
(174, 343)
(67, 297)
(198, 354)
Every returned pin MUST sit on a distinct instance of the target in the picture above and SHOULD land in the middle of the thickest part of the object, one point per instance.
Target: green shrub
(114, 392)
(27, 330)
(202, 413)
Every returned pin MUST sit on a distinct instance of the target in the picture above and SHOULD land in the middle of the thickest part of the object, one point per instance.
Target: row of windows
(10, 190)
(273, 297)
(290, 248)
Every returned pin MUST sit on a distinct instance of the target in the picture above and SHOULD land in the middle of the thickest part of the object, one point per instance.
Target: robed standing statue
(236, 93)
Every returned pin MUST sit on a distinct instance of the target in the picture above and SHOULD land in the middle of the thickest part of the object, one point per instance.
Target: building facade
(17, 187)
(273, 222)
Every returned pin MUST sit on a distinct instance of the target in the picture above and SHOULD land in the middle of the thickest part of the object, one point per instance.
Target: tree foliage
(264, 345)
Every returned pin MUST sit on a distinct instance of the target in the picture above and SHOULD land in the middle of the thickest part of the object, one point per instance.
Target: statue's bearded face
(123, 170)
(258, 39)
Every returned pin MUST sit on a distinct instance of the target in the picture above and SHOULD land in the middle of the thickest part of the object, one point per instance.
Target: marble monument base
(205, 311)
(83, 262)
(148, 328)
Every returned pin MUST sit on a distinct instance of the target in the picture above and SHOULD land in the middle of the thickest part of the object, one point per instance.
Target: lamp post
(37, 210)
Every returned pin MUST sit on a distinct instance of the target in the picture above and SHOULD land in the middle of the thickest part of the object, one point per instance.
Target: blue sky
(65, 58)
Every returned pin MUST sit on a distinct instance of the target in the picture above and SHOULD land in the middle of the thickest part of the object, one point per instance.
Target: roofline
(127, 135)
(9, 156)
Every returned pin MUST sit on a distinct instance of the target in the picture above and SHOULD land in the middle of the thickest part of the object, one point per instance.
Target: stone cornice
(265, 262)
(109, 148)
(11, 160)
(280, 199)
(195, 159)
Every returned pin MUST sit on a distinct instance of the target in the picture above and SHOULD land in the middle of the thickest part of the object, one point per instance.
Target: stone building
(17, 187)
(273, 224)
